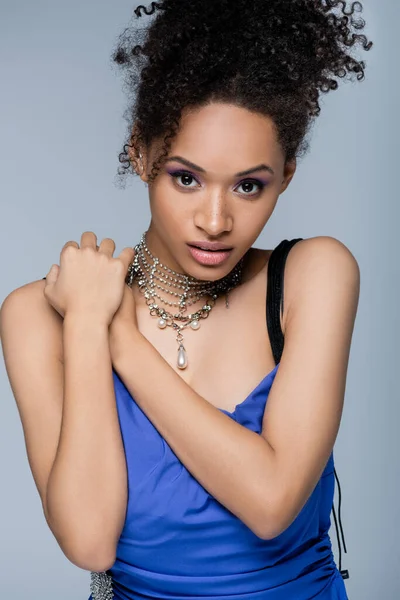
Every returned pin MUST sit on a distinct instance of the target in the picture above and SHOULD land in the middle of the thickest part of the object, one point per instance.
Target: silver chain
(146, 270)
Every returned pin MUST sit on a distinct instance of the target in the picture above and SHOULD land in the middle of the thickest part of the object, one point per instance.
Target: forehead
(226, 135)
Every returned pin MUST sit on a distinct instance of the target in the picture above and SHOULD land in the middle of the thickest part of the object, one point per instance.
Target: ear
(288, 173)
(138, 159)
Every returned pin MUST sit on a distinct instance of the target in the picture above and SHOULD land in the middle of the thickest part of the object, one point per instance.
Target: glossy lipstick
(209, 257)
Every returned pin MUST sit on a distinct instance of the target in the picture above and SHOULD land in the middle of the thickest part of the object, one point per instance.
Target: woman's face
(202, 193)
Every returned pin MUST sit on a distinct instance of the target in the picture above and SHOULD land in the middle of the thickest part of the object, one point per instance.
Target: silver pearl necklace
(151, 275)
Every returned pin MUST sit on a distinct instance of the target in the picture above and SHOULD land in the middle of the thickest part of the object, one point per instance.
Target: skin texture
(223, 139)
(78, 461)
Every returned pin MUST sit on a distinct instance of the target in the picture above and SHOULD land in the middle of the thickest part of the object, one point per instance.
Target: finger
(70, 243)
(88, 239)
(52, 275)
(127, 255)
(107, 246)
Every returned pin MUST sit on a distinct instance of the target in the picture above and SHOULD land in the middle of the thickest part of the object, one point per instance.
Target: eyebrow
(191, 165)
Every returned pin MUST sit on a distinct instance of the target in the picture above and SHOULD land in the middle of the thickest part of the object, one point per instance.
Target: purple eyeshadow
(264, 181)
(256, 180)
(181, 172)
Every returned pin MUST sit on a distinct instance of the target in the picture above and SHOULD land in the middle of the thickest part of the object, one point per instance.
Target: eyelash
(181, 173)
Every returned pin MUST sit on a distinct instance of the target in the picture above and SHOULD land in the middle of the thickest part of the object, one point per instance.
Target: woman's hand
(89, 280)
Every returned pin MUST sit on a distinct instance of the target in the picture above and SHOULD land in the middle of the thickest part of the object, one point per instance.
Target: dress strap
(276, 269)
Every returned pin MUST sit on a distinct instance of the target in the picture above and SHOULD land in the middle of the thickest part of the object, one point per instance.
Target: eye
(252, 183)
(186, 178)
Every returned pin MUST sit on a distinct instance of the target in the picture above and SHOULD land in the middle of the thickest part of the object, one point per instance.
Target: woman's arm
(304, 409)
(31, 338)
(263, 479)
(72, 439)
(87, 488)
(231, 462)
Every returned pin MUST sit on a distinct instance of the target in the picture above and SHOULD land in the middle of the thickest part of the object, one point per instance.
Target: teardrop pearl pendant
(182, 361)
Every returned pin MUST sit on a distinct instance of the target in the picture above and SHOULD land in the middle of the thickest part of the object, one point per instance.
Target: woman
(180, 428)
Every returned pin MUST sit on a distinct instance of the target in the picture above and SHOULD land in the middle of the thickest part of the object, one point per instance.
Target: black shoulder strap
(275, 288)
(276, 269)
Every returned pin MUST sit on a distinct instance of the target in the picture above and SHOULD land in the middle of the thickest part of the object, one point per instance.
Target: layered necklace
(152, 277)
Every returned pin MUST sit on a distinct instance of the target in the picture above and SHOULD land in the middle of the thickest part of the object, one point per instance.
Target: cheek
(254, 214)
(249, 224)
(170, 215)
(169, 204)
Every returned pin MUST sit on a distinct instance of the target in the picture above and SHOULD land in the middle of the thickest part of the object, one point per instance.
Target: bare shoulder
(27, 291)
(26, 312)
(321, 247)
(31, 338)
(319, 264)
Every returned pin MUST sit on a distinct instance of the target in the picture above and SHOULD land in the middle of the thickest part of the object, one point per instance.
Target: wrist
(84, 320)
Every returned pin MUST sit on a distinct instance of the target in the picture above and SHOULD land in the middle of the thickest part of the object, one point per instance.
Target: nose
(214, 216)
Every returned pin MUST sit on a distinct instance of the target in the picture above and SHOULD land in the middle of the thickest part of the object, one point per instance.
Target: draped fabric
(178, 542)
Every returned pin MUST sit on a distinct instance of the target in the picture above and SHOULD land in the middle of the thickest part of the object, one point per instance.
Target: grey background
(61, 130)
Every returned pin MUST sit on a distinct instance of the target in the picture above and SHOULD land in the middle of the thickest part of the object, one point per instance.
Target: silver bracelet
(101, 585)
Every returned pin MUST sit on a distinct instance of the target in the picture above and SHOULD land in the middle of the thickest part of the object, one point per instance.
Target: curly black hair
(268, 56)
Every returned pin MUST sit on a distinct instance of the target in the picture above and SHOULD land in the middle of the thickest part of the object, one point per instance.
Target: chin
(208, 272)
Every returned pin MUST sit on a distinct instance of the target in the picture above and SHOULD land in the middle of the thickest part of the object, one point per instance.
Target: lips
(210, 246)
(205, 249)
(209, 257)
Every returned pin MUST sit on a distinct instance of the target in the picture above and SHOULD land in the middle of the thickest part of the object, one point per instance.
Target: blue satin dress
(180, 543)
